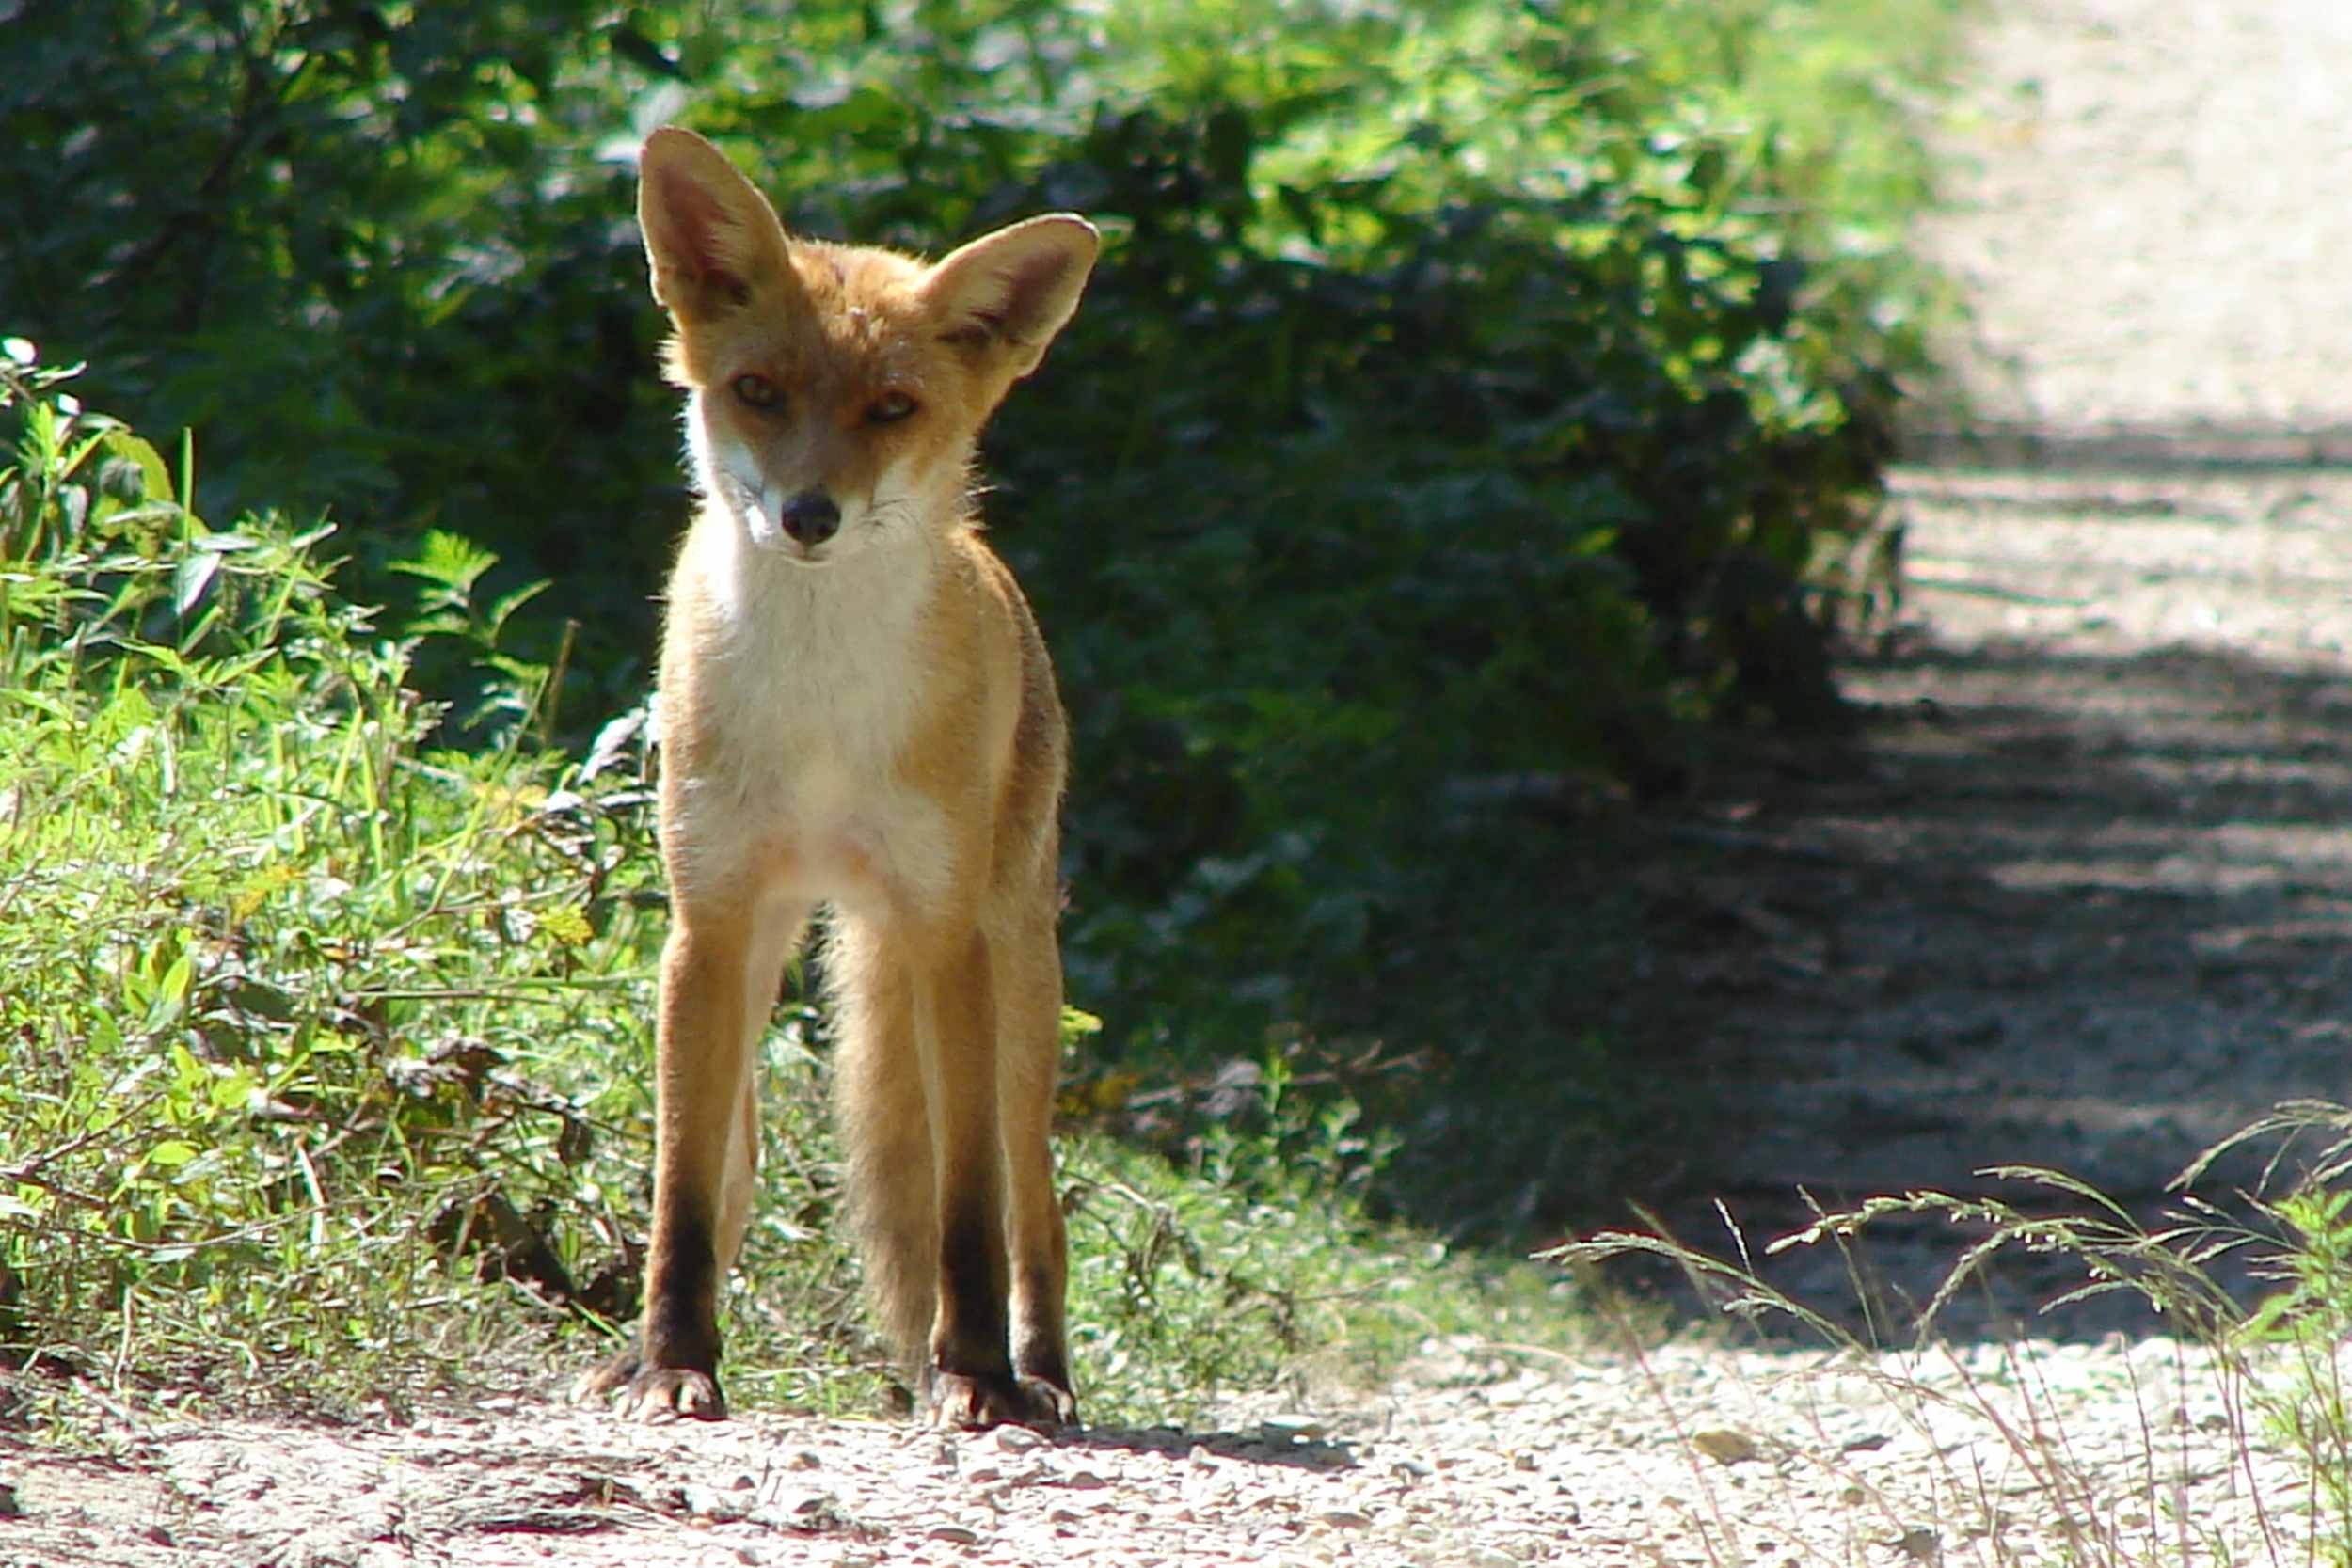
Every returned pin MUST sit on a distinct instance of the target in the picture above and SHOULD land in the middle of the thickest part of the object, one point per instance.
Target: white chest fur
(807, 683)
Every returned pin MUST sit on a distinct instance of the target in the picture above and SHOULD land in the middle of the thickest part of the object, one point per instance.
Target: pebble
(1725, 1446)
(1016, 1439)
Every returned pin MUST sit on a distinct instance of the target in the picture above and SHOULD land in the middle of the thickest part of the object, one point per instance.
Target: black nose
(811, 518)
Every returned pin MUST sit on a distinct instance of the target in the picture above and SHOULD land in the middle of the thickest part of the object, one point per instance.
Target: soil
(2084, 907)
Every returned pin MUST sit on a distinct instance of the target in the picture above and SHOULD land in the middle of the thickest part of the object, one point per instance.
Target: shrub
(325, 1047)
(1475, 406)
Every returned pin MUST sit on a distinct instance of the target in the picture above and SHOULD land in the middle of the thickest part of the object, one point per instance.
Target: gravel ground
(2087, 906)
(2156, 232)
(2001, 1454)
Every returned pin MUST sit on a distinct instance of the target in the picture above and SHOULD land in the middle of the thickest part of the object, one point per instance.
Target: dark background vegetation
(1475, 424)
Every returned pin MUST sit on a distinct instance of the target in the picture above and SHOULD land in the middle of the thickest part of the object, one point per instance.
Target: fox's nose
(811, 518)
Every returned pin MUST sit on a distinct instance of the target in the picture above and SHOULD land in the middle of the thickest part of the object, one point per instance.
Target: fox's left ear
(1007, 294)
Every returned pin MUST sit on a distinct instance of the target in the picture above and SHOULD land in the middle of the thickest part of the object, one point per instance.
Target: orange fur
(857, 713)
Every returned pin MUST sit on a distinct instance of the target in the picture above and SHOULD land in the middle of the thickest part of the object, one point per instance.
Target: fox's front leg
(969, 1371)
(719, 980)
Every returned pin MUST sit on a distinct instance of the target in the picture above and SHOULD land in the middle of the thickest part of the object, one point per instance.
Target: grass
(324, 1048)
(2235, 1442)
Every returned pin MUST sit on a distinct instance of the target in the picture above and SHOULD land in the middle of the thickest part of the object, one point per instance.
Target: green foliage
(2306, 1320)
(324, 1049)
(281, 975)
(1476, 404)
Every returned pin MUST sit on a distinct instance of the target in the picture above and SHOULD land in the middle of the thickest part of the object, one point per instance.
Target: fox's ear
(1007, 294)
(709, 234)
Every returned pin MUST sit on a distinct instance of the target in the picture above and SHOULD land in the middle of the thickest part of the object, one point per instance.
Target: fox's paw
(959, 1400)
(1057, 1406)
(651, 1393)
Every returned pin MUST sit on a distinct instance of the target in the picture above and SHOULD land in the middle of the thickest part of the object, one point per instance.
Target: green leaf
(450, 559)
(194, 575)
(154, 479)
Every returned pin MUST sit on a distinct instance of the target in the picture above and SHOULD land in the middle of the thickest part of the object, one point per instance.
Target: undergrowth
(323, 1045)
(1478, 411)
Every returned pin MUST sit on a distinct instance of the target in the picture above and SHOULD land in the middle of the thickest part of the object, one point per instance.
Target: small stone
(1345, 1518)
(1016, 1439)
(1201, 1458)
(1725, 1446)
(1918, 1543)
(955, 1535)
(709, 1502)
(1084, 1480)
(805, 1460)
(808, 1515)
(1522, 1461)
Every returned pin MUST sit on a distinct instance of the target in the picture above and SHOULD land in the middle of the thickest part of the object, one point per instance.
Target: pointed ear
(709, 235)
(1005, 295)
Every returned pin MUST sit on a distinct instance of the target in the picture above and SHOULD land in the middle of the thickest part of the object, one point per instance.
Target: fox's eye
(758, 391)
(890, 408)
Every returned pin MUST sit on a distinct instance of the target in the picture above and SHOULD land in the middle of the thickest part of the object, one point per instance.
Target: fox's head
(837, 392)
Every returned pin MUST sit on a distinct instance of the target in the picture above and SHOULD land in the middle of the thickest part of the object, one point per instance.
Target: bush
(1475, 404)
(320, 1045)
(282, 972)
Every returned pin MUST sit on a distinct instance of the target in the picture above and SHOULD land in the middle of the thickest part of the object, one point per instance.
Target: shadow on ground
(2076, 911)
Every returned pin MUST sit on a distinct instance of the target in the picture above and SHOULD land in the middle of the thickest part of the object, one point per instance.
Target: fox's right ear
(710, 237)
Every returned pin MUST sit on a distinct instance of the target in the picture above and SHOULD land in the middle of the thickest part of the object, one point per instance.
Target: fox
(859, 722)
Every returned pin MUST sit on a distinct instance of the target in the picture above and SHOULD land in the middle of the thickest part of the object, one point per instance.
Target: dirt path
(1479, 1461)
(2087, 907)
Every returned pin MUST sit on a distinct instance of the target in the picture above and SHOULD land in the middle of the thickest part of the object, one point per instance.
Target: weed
(2239, 1451)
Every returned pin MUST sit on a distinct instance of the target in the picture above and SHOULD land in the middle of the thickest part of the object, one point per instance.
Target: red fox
(857, 711)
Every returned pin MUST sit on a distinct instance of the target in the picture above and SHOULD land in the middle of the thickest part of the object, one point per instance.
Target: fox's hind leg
(890, 1187)
(1028, 1051)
